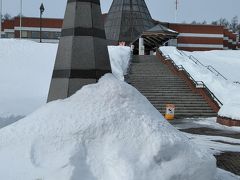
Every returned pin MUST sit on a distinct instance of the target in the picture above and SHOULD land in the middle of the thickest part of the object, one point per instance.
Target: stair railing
(217, 73)
(198, 84)
(196, 61)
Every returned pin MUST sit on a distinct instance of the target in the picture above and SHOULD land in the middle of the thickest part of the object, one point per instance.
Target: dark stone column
(82, 56)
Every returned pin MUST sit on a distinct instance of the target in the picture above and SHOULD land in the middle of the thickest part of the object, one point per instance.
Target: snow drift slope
(25, 75)
(26, 69)
(225, 90)
(106, 131)
(225, 61)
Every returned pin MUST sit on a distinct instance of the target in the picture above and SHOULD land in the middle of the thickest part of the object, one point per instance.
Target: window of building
(24, 34)
(46, 35)
(57, 35)
(35, 34)
(10, 35)
(29, 34)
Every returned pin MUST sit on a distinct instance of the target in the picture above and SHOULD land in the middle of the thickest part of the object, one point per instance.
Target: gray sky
(163, 10)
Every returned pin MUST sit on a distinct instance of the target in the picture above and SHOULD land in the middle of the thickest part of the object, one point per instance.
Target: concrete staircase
(156, 82)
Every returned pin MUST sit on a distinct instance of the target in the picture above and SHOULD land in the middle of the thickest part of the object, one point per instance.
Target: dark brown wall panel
(199, 40)
(202, 29)
(197, 49)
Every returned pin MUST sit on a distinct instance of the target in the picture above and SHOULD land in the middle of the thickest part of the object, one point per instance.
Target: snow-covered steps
(160, 86)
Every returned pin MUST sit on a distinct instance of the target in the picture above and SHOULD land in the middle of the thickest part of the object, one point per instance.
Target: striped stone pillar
(82, 56)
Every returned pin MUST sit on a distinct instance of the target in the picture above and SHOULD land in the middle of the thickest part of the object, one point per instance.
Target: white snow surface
(26, 72)
(119, 57)
(227, 62)
(231, 110)
(115, 134)
(214, 144)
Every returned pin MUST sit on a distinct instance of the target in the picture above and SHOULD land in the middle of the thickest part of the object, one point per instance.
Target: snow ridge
(106, 131)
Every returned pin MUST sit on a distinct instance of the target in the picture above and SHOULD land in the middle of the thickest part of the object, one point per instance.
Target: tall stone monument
(82, 56)
(127, 19)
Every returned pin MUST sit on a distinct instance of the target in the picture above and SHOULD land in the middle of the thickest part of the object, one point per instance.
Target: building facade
(192, 37)
(51, 29)
(199, 37)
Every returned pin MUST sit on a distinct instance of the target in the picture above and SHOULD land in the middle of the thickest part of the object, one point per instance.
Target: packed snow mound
(119, 58)
(26, 72)
(106, 131)
(25, 75)
(227, 62)
(230, 110)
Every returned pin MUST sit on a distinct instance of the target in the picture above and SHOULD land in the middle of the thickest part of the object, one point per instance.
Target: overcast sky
(163, 10)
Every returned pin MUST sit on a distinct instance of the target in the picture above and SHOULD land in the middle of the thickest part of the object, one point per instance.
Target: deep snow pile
(25, 75)
(114, 135)
(26, 71)
(6, 119)
(119, 57)
(226, 62)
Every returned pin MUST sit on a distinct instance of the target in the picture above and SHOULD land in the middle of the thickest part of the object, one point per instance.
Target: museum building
(191, 37)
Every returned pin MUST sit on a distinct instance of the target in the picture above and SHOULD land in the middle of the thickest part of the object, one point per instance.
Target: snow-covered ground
(204, 122)
(25, 75)
(215, 144)
(114, 135)
(227, 62)
(26, 72)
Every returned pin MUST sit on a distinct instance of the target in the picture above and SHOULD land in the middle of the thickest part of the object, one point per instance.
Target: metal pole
(20, 19)
(0, 18)
(40, 26)
(176, 11)
(41, 13)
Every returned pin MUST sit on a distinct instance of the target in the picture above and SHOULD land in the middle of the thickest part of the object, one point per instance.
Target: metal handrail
(196, 61)
(217, 73)
(198, 84)
(182, 52)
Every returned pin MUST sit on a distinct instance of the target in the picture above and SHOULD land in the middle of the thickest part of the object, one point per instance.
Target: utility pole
(176, 11)
(20, 19)
(41, 13)
(0, 18)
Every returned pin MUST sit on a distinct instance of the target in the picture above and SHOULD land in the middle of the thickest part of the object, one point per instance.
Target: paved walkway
(212, 132)
(229, 161)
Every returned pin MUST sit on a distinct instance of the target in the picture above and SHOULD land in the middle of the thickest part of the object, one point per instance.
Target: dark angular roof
(127, 19)
(161, 29)
(156, 36)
